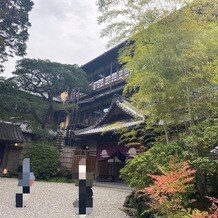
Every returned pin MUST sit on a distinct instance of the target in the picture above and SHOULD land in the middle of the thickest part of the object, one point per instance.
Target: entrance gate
(103, 170)
(90, 160)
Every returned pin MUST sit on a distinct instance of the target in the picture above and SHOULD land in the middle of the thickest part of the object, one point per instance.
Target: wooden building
(13, 138)
(106, 78)
(100, 141)
(91, 130)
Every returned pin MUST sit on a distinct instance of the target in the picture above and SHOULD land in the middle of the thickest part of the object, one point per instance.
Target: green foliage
(135, 173)
(197, 146)
(14, 23)
(44, 159)
(203, 136)
(65, 107)
(172, 61)
(20, 106)
(47, 78)
(137, 135)
(44, 135)
(199, 143)
(193, 146)
(123, 19)
(40, 81)
(178, 66)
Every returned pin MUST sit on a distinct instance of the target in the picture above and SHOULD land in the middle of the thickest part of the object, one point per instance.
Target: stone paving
(55, 200)
(114, 185)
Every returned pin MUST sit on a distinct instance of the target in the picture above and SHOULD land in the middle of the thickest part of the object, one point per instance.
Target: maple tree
(167, 191)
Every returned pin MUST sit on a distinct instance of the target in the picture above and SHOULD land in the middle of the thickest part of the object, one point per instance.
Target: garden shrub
(136, 172)
(44, 159)
(168, 190)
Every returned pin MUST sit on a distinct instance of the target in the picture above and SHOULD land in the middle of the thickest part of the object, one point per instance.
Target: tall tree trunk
(202, 188)
(202, 183)
(49, 114)
(189, 106)
(166, 131)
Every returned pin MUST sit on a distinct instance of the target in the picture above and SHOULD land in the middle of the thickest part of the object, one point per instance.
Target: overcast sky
(64, 31)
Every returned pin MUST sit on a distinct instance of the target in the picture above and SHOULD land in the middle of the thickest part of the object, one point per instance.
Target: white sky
(64, 31)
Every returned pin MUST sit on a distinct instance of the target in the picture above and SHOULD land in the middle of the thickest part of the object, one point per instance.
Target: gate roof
(11, 132)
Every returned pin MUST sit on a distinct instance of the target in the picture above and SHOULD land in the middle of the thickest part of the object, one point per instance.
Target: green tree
(19, 106)
(136, 172)
(173, 78)
(197, 146)
(178, 67)
(172, 63)
(8, 91)
(14, 24)
(169, 189)
(44, 159)
(122, 19)
(194, 148)
(47, 80)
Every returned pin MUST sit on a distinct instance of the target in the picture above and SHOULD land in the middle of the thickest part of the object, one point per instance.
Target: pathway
(55, 200)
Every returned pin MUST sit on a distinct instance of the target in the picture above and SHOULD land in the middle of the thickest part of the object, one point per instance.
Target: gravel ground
(48, 200)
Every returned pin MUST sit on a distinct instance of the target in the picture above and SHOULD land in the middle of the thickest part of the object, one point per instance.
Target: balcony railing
(107, 81)
(104, 82)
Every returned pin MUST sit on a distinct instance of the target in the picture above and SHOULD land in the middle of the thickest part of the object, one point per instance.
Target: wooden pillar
(104, 77)
(92, 83)
(73, 162)
(111, 70)
(113, 169)
(96, 169)
(5, 157)
(118, 73)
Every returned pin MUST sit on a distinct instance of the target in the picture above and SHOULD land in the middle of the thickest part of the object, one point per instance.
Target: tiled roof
(125, 106)
(25, 128)
(11, 132)
(107, 127)
(129, 109)
(102, 126)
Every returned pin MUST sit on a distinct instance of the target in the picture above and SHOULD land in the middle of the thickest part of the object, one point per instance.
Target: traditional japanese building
(107, 78)
(101, 140)
(13, 138)
(93, 129)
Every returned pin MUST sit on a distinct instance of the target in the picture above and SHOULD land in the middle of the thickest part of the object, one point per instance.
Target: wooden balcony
(103, 83)
(109, 80)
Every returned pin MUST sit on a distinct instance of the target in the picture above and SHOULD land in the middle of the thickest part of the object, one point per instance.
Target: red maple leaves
(176, 180)
(166, 191)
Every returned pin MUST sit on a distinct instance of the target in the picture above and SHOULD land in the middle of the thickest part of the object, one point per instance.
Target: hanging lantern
(5, 171)
(104, 154)
(132, 152)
